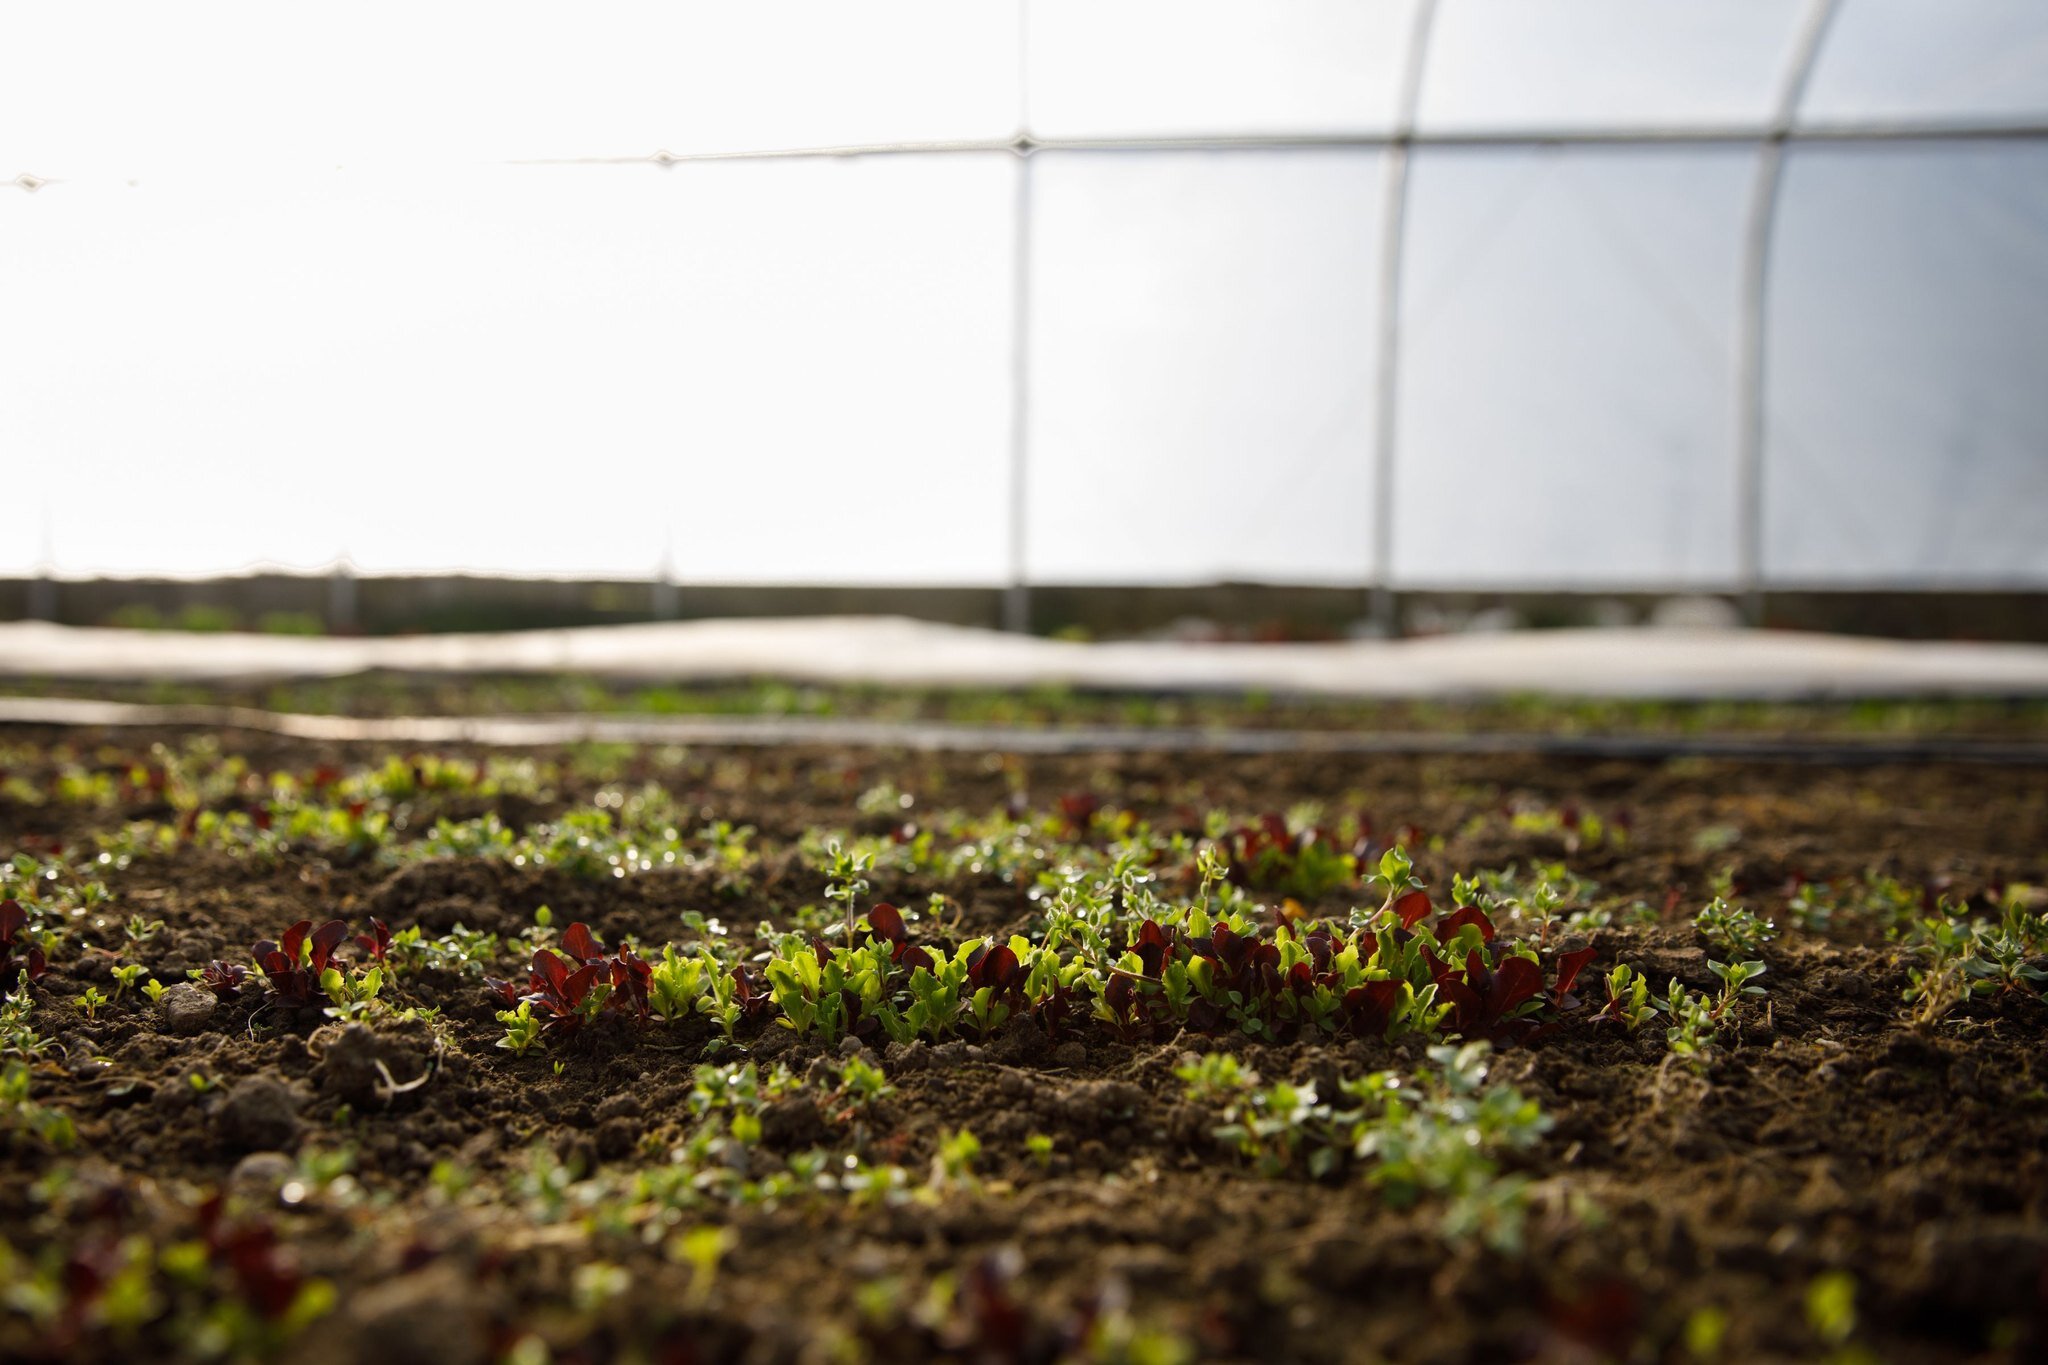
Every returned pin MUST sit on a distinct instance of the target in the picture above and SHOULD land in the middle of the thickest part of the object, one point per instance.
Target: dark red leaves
(1412, 908)
(293, 964)
(1369, 1009)
(886, 923)
(1569, 965)
(18, 953)
(1471, 914)
(578, 943)
(996, 968)
(224, 979)
(377, 942)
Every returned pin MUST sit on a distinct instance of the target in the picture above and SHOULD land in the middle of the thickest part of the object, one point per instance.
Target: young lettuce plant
(295, 963)
(1628, 999)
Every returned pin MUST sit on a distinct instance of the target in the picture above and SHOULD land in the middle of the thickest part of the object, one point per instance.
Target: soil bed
(1839, 1176)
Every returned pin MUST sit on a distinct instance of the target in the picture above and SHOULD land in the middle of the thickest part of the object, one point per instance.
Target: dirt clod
(259, 1114)
(187, 1008)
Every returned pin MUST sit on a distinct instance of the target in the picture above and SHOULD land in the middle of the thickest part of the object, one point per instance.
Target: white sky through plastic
(291, 291)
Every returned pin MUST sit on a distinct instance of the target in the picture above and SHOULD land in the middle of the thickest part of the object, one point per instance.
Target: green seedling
(1733, 929)
(522, 1029)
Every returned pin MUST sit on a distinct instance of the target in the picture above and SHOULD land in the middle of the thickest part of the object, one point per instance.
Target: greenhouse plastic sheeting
(1592, 65)
(1163, 68)
(1908, 346)
(1241, 340)
(1589, 293)
(452, 269)
(1931, 63)
(241, 88)
(558, 369)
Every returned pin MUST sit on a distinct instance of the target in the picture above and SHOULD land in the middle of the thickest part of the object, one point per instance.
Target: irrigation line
(942, 736)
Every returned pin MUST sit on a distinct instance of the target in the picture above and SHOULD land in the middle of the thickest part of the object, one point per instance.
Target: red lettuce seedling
(567, 989)
(1498, 1003)
(885, 924)
(18, 953)
(224, 979)
(294, 963)
(378, 941)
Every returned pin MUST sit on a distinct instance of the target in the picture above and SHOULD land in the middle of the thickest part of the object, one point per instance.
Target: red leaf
(1411, 908)
(1471, 914)
(579, 983)
(326, 939)
(577, 942)
(1569, 965)
(886, 923)
(550, 969)
(1518, 980)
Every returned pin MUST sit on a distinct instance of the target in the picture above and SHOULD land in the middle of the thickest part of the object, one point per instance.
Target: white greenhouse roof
(1491, 293)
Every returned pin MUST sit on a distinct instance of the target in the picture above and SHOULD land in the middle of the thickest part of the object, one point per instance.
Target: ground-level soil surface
(1842, 1175)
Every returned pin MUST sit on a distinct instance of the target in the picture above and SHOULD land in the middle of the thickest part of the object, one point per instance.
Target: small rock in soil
(912, 1056)
(948, 1055)
(1070, 1054)
(1101, 1101)
(187, 1008)
(849, 1046)
(260, 1114)
(262, 1172)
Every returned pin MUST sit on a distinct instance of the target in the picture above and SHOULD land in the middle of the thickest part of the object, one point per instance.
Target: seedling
(125, 978)
(295, 963)
(702, 1249)
(1628, 998)
(1039, 1146)
(1733, 929)
(1692, 1023)
(224, 979)
(91, 1001)
(846, 880)
(1735, 979)
(140, 930)
(522, 1029)
(154, 989)
(352, 996)
(953, 1163)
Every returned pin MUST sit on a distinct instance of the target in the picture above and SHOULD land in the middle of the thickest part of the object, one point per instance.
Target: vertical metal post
(1756, 280)
(341, 596)
(1017, 594)
(1393, 228)
(42, 591)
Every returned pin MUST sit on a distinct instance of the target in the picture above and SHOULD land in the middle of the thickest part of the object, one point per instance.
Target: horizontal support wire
(1022, 145)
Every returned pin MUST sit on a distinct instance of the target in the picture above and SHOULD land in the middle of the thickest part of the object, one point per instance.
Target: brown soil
(1829, 1135)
